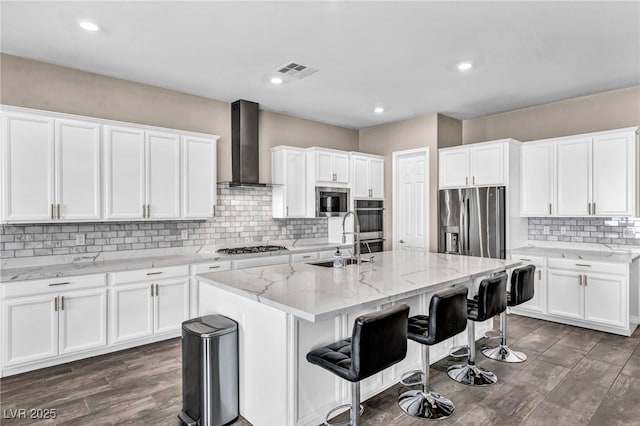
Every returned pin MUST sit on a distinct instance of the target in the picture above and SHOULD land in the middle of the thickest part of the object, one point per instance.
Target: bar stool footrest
(452, 351)
(412, 378)
(340, 407)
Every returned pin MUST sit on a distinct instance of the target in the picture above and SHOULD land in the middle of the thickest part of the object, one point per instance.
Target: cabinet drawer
(327, 254)
(51, 285)
(304, 257)
(148, 274)
(201, 268)
(260, 261)
(587, 266)
(538, 261)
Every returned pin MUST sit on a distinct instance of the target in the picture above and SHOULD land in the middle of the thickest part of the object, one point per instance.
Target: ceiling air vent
(295, 70)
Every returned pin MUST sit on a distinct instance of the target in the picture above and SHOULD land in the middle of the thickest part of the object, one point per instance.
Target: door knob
(401, 241)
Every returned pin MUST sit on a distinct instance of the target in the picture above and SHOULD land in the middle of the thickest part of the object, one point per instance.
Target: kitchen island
(285, 310)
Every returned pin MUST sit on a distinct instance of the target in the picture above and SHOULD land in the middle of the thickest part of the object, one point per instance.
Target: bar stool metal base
(340, 407)
(471, 375)
(427, 405)
(504, 354)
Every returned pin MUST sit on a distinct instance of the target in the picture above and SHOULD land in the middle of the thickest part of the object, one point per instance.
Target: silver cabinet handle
(306, 257)
(589, 208)
(55, 284)
(55, 304)
(585, 280)
(51, 211)
(154, 273)
(148, 210)
(58, 211)
(550, 208)
(539, 275)
(151, 288)
(62, 303)
(474, 180)
(466, 180)
(214, 267)
(157, 290)
(287, 213)
(214, 210)
(580, 279)
(594, 208)
(525, 260)
(401, 241)
(144, 210)
(583, 264)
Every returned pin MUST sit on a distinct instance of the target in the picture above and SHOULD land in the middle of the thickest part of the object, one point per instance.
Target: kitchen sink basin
(329, 263)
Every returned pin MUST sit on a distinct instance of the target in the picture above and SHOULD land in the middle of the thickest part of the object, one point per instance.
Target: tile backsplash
(614, 230)
(243, 216)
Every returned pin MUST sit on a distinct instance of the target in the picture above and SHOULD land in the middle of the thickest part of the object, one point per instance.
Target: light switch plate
(80, 239)
(546, 230)
(629, 232)
(184, 234)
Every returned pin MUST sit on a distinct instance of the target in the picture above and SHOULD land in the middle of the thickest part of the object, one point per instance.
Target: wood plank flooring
(573, 376)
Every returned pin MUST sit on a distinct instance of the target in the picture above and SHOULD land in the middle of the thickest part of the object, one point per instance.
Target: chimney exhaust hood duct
(244, 144)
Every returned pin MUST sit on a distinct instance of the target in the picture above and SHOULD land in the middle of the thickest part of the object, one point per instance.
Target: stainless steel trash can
(209, 371)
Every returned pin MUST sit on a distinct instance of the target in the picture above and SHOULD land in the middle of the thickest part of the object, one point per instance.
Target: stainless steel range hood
(244, 144)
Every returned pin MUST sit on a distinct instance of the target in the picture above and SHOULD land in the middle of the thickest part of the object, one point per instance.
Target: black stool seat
(335, 357)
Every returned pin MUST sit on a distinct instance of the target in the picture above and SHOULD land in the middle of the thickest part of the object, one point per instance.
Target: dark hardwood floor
(573, 377)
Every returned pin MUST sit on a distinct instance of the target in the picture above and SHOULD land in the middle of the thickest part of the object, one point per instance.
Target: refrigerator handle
(461, 232)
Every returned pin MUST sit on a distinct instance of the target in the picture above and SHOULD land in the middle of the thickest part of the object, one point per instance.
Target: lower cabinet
(538, 303)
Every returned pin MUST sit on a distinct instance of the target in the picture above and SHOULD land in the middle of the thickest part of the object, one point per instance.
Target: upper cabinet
(57, 167)
(483, 164)
(288, 178)
(367, 179)
(328, 167)
(51, 168)
(585, 175)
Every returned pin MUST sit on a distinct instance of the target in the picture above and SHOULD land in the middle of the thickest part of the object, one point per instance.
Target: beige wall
(33, 84)
(604, 111)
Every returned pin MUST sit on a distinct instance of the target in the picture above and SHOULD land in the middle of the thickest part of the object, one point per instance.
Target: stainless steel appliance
(472, 221)
(251, 249)
(371, 215)
(331, 202)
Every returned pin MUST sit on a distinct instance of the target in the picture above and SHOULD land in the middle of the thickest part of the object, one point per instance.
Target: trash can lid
(210, 326)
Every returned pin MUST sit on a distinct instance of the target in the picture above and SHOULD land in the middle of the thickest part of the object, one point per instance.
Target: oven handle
(369, 209)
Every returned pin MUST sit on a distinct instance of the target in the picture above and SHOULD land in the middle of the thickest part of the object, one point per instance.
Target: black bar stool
(522, 289)
(491, 300)
(447, 317)
(378, 341)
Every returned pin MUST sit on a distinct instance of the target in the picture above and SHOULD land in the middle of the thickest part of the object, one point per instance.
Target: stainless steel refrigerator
(472, 221)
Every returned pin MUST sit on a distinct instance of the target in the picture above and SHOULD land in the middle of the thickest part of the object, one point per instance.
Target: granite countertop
(84, 267)
(315, 293)
(573, 254)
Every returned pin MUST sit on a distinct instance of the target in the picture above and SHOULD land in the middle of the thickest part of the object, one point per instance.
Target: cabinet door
(171, 305)
(487, 165)
(613, 174)
(536, 304)
(198, 177)
(83, 320)
(574, 177)
(29, 329)
(28, 153)
(565, 294)
(360, 177)
(454, 168)
(605, 299)
(78, 169)
(376, 177)
(536, 179)
(131, 312)
(294, 184)
(341, 167)
(163, 175)
(124, 173)
(324, 166)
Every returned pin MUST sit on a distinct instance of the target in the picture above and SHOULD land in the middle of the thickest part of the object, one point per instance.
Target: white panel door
(341, 167)
(124, 174)
(29, 329)
(565, 294)
(454, 168)
(410, 210)
(605, 299)
(83, 320)
(360, 177)
(198, 177)
(536, 304)
(487, 165)
(77, 170)
(163, 175)
(537, 179)
(295, 184)
(574, 177)
(131, 312)
(376, 177)
(171, 305)
(28, 155)
(324, 166)
(614, 159)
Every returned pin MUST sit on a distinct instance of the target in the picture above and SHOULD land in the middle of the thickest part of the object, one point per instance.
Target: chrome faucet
(355, 233)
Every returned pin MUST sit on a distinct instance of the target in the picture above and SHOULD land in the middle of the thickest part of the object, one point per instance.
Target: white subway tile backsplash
(585, 230)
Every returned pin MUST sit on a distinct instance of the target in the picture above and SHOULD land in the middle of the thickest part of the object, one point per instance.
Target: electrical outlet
(80, 239)
(563, 230)
(546, 230)
(315, 229)
(629, 232)
(283, 230)
(184, 234)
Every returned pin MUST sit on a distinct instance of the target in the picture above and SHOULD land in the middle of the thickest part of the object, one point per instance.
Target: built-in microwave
(331, 202)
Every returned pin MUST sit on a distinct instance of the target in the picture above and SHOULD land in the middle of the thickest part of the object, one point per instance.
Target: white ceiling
(401, 55)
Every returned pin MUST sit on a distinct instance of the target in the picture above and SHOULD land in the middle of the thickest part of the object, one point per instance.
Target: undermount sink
(329, 263)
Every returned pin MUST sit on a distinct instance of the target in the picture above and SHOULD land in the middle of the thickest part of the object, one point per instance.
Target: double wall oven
(371, 215)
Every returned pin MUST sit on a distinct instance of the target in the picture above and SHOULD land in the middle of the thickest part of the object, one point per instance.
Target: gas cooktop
(251, 249)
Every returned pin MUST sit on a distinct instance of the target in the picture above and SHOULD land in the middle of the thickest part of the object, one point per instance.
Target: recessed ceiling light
(276, 80)
(378, 110)
(464, 66)
(89, 26)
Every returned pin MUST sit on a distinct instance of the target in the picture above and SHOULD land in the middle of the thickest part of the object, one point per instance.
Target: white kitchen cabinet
(51, 169)
(288, 172)
(328, 167)
(482, 164)
(538, 303)
(574, 177)
(162, 168)
(537, 179)
(131, 312)
(565, 294)
(198, 177)
(171, 305)
(83, 320)
(605, 299)
(367, 180)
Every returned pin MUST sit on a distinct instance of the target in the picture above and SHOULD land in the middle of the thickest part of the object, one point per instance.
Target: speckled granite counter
(314, 293)
(572, 254)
